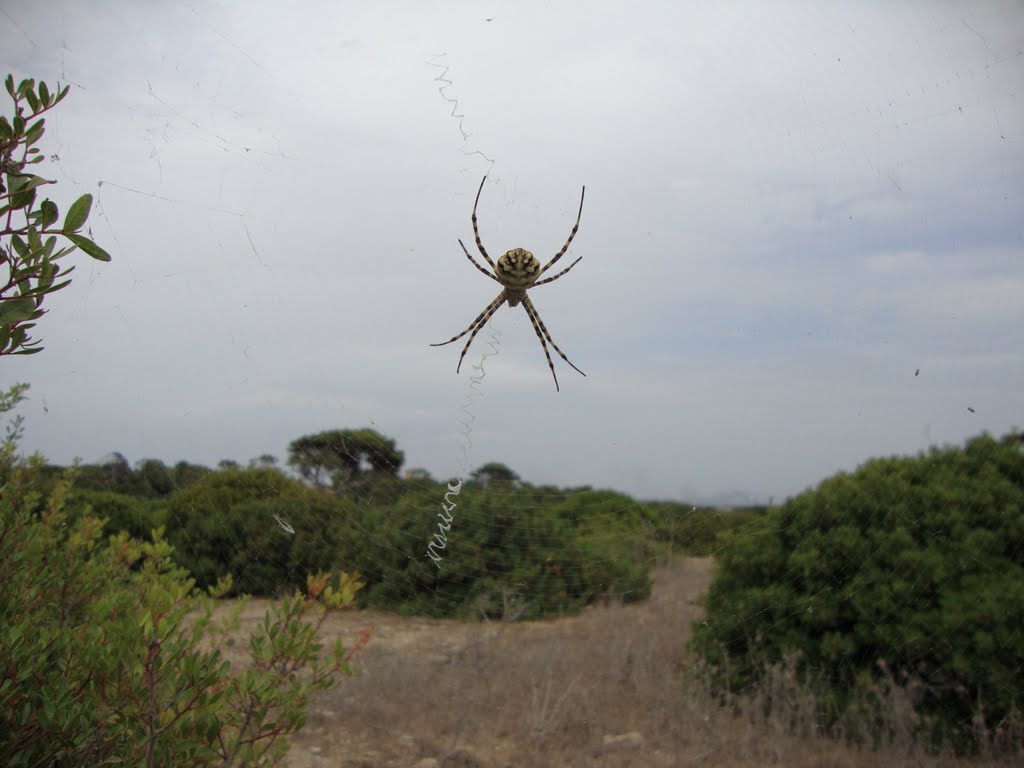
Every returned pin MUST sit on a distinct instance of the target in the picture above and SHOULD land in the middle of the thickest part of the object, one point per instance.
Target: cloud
(787, 209)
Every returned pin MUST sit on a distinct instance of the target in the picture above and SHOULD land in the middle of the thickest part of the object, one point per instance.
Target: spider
(516, 271)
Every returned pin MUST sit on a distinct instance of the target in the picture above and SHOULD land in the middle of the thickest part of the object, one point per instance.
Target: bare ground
(601, 689)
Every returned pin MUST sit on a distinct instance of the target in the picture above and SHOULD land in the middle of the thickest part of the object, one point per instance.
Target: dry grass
(602, 689)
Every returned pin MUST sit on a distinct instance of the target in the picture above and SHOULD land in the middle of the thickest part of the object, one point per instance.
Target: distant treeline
(347, 504)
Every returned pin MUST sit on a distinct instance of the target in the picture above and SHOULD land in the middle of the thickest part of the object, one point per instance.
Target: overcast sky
(791, 209)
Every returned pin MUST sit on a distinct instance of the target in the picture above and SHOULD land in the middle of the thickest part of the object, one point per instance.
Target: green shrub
(137, 517)
(548, 558)
(912, 567)
(282, 541)
(268, 531)
(551, 551)
(108, 657)
(695, 530)
(152, 479)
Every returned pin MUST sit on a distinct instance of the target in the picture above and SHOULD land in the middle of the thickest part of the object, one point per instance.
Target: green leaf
(6, 131)
(49, 212)
(27, 181)
(16, 310)
(31, 98)
(47, 273)
(33, 134)
(89, 247)
(48, 710)
(9, 84)
(44, 94)
(34, 241)
(77, 214)
(23, 199)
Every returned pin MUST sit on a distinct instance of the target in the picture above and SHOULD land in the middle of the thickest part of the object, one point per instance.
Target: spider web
(801, 251)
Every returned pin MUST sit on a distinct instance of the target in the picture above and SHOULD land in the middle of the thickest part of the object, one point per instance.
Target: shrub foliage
(266, 531)
(550, 555)
(549, 551)
(30, 233)
(109, 656)
(909, 567)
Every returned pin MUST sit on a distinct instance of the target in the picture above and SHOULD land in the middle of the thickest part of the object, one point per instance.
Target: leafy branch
(29, 238)
(110, 656)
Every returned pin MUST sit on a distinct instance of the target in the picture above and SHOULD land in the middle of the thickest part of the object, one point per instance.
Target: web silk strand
(439, 540)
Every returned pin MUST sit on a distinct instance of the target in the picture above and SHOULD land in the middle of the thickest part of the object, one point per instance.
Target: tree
(156, 476)
(265, 460)
(346, 459)
(112, 473)
(29, 249)
(495, 474)
(185, 474)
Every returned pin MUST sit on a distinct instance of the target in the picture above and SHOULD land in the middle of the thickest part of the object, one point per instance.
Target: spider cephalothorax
(517, 271)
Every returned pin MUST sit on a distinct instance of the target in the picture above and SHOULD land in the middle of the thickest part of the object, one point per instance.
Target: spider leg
(533, 322)
(489, 274)
(552, 279)
(542, 333)
(572, 234)
(475, 326)
(494, 307)
(476, 232)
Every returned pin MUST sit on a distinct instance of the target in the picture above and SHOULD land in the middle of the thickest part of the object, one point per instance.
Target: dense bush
(547, 550)
(150, 479)
(136, 516)
(268, 531)
(503, 548)
(564, 550)
(696, 530)
(912, 567)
